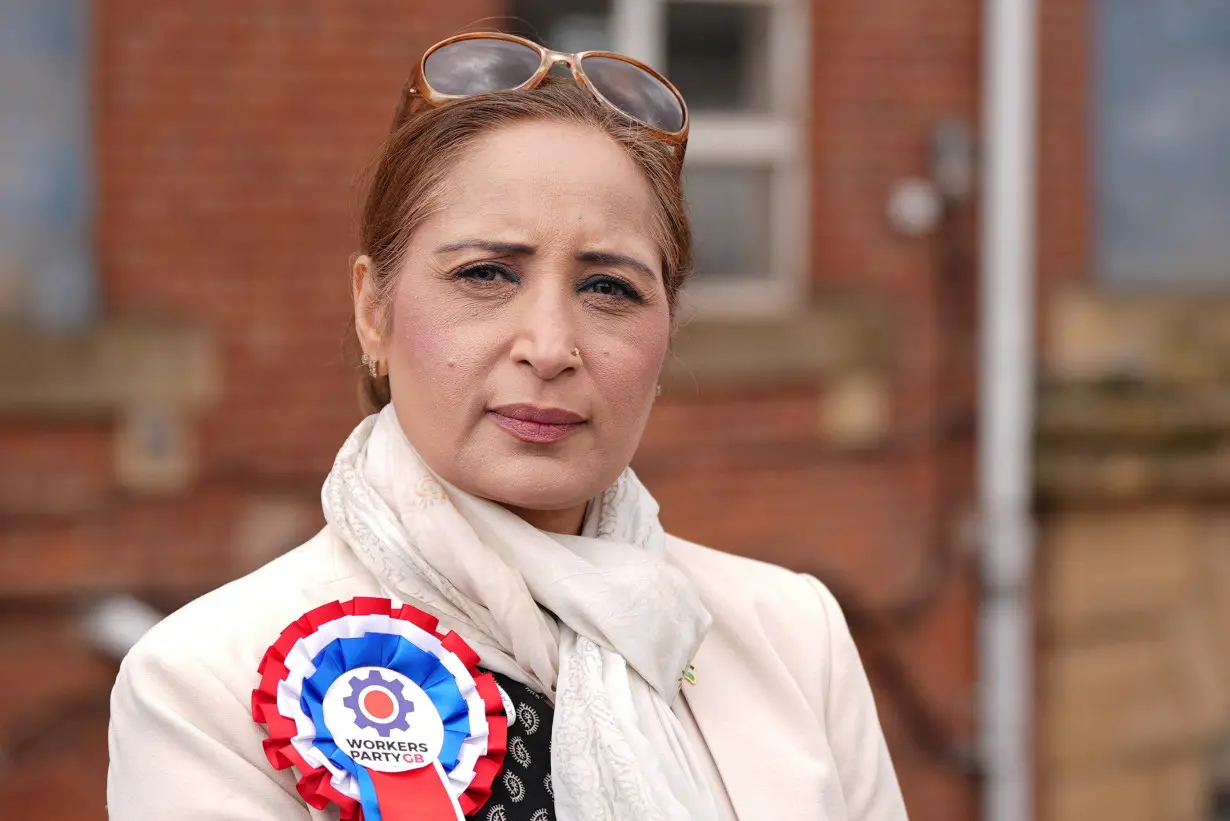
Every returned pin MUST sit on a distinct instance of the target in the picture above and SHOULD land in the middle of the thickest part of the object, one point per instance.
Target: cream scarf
(599, 623)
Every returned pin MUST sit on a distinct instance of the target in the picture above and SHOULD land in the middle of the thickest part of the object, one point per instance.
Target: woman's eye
(487, 272)
(612, 287)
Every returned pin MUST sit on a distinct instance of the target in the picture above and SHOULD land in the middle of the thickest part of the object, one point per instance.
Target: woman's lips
(538, 426)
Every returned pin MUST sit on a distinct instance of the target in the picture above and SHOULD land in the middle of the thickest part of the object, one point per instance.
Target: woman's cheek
(635, 364)
(433, 349)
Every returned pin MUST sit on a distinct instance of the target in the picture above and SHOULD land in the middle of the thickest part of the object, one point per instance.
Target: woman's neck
(569, 520)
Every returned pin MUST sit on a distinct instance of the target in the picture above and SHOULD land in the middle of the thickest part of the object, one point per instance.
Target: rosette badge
(381, 714)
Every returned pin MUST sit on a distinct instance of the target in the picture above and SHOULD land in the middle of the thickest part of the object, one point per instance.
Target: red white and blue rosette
(381, 714)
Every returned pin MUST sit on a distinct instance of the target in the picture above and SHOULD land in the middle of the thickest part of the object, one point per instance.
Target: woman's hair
(410, 169)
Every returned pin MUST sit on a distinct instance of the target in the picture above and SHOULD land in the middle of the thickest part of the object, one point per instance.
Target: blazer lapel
(755, 727)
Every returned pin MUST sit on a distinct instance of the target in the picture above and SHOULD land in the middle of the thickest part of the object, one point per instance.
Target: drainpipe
(1006, 400)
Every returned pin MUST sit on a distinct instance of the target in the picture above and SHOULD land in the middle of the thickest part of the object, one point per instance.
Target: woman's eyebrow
(488, 245)
(609, 258)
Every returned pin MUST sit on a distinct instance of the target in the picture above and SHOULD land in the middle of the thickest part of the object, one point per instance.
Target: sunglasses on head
(470, 64)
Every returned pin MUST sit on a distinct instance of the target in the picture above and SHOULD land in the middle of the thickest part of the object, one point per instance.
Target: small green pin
(689, 674)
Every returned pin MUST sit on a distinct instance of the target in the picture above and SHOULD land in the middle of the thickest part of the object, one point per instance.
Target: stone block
(1102, 567)
(155, 451)
(1095, 337)
(1168, 789)
(855, 410)
(1117, 702)
(1214, 556)
(1202, 667)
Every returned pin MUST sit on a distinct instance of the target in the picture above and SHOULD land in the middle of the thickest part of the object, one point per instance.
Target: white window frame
(776, 139)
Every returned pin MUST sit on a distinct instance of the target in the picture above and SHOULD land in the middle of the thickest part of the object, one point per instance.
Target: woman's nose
(546, 338)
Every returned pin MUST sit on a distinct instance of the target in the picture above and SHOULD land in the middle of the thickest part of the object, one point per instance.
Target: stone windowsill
(116, 365)
(1134, 399)
(830, 337)
(1094, 337)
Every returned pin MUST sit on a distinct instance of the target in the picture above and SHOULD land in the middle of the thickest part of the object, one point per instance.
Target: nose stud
(576, 352)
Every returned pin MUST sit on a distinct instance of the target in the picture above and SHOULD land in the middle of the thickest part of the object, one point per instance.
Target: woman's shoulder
(780, 646)
(225, 632)
(183, 692)
(788, 621)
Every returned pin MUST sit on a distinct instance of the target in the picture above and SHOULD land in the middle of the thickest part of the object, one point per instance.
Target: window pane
(716, 53)
(45, 266)
(1163, 140)
(731, 210)
(583, 25)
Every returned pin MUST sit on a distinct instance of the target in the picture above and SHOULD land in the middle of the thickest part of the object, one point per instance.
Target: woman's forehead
(539, 160)
(545, 179)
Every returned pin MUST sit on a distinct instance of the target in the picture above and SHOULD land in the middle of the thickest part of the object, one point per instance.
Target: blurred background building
(178, 201)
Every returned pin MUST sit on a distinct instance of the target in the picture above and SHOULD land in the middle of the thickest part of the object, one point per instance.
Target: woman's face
(544, 244)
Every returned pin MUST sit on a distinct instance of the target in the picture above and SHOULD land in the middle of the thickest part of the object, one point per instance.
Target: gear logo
(380, 704)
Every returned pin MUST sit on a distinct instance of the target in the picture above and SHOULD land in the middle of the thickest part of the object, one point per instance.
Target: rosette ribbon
(381, 714)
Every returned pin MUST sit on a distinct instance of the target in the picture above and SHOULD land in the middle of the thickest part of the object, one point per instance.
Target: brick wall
(885, 75)
(229, 139)
(1065, 238)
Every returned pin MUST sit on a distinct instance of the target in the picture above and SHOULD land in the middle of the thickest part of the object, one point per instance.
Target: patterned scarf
(599, 623)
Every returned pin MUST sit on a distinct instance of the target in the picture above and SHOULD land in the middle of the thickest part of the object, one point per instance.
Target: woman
(522, 249)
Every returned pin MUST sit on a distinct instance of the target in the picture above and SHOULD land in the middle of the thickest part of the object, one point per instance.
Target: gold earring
(658, 390)
(373, 366)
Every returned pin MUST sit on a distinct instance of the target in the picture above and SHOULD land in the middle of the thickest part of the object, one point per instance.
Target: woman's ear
(368, 319)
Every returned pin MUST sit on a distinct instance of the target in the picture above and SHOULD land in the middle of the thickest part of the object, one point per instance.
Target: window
(743, 66)
(45, 260)
(1162, 148)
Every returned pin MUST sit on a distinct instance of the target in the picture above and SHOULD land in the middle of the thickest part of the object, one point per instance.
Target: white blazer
(781, 700)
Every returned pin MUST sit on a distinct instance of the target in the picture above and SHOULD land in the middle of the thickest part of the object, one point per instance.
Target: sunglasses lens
(635, 92)
(480, 64)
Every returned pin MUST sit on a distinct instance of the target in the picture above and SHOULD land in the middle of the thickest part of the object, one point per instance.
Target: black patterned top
(522, 792)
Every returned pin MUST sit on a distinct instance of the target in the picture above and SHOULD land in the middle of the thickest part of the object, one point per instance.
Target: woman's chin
(554, 478)
(529, 484)
(546, 496)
